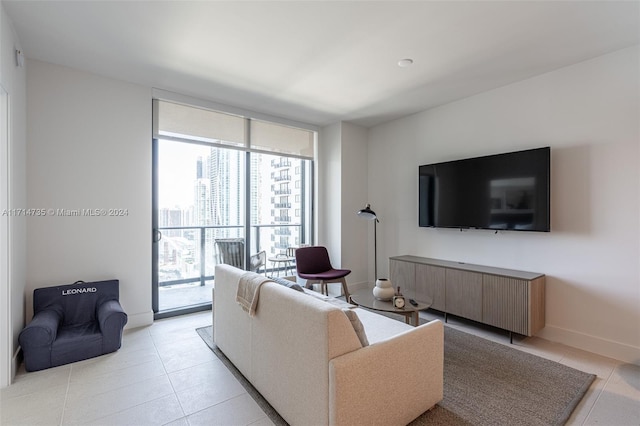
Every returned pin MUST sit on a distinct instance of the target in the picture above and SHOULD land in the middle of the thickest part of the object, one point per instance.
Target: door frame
(156, 237)
(6, 337)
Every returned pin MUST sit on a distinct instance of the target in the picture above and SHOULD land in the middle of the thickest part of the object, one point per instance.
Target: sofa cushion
(329, 299)
(357, 326)
(379, 327)
(286, 283)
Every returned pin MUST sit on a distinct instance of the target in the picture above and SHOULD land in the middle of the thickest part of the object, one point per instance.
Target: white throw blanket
(249, 291)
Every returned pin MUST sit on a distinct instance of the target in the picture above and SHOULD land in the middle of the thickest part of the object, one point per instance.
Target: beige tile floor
(165, 375)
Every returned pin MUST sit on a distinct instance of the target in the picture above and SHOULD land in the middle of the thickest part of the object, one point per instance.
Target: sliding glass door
(199, 202)
(220, 201)
(280, 201)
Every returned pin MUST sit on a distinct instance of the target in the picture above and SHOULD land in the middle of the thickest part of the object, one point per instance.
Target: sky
(177, 171)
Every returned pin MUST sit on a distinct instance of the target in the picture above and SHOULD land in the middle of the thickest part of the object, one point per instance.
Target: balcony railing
(281, 178)
(187, 254)
(282, 192)
(282, 205)
(282, 219)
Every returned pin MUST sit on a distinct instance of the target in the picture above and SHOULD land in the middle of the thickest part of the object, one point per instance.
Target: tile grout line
(148, 378)
(599, 395)
(66, 396)
(221, 402)
(184, 416)
(562, 358)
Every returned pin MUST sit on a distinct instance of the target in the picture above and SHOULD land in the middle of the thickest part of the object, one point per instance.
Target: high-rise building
(225, 169)
(171, 217)
(287, 188)
(276, 194)
(201, 197)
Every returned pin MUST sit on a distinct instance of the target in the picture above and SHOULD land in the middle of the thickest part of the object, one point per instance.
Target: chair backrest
(77, 302)
(231, 251)
(312, 260)
(257, 261)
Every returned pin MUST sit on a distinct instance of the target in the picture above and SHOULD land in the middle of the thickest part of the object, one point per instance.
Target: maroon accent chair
(313, 264)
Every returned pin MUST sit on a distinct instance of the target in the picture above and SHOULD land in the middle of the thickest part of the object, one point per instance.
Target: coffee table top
(282, 259)
(364, 297)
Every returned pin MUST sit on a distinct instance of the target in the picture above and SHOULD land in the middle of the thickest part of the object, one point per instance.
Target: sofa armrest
(112, 320)
(42, 330)
(389, 382)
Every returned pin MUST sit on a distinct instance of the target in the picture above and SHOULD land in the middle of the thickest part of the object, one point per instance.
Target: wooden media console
(504, 298)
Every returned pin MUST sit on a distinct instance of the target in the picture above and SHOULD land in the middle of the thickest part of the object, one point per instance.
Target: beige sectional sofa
(303, 355)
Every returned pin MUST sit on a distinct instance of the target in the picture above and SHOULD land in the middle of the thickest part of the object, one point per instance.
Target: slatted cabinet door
(513, 304)
(505, 303)
(463, 295)
(403, 275)
(430, 285)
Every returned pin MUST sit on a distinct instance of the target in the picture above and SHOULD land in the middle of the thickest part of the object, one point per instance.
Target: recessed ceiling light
(405, 62)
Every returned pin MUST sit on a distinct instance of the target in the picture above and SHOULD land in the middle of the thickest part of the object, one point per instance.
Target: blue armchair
(71, 323)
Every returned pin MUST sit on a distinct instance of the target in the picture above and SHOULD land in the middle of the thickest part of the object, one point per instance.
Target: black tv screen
(503, 192)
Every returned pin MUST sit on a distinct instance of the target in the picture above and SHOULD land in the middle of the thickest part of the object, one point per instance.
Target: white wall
(12, 284)
(89, 147)
(357, 235)
(329, 187)
(342, 182)
(589, 115)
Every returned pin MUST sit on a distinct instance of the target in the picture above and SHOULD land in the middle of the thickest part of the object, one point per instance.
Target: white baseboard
(358, 286)
(597, 345)
(139, 320)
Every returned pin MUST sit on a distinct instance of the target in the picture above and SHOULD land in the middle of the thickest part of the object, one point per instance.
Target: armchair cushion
(72, 323)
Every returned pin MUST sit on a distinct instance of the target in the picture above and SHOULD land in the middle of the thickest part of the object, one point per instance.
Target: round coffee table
(282, 259)
(364, 298)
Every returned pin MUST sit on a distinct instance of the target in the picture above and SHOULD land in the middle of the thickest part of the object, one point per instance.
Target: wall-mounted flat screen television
(503, 192)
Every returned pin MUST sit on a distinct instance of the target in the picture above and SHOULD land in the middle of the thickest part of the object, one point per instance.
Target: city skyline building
(276, 202)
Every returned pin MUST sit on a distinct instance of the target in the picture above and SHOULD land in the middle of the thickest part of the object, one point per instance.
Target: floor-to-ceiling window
(227, 189)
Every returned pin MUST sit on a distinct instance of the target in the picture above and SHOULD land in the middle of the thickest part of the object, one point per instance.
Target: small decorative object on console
(398, 300)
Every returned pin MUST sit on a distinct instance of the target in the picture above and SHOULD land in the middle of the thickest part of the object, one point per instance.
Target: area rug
(485, 383)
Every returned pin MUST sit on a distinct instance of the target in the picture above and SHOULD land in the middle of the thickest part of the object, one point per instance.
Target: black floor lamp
(369, 214)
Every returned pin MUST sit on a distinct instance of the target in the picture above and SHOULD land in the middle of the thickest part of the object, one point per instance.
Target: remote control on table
(413, 302)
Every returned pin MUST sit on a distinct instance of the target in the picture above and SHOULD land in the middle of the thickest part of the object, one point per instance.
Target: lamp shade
(367, 213)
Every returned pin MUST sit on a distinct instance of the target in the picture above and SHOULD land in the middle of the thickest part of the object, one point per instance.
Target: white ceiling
(321, 62)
